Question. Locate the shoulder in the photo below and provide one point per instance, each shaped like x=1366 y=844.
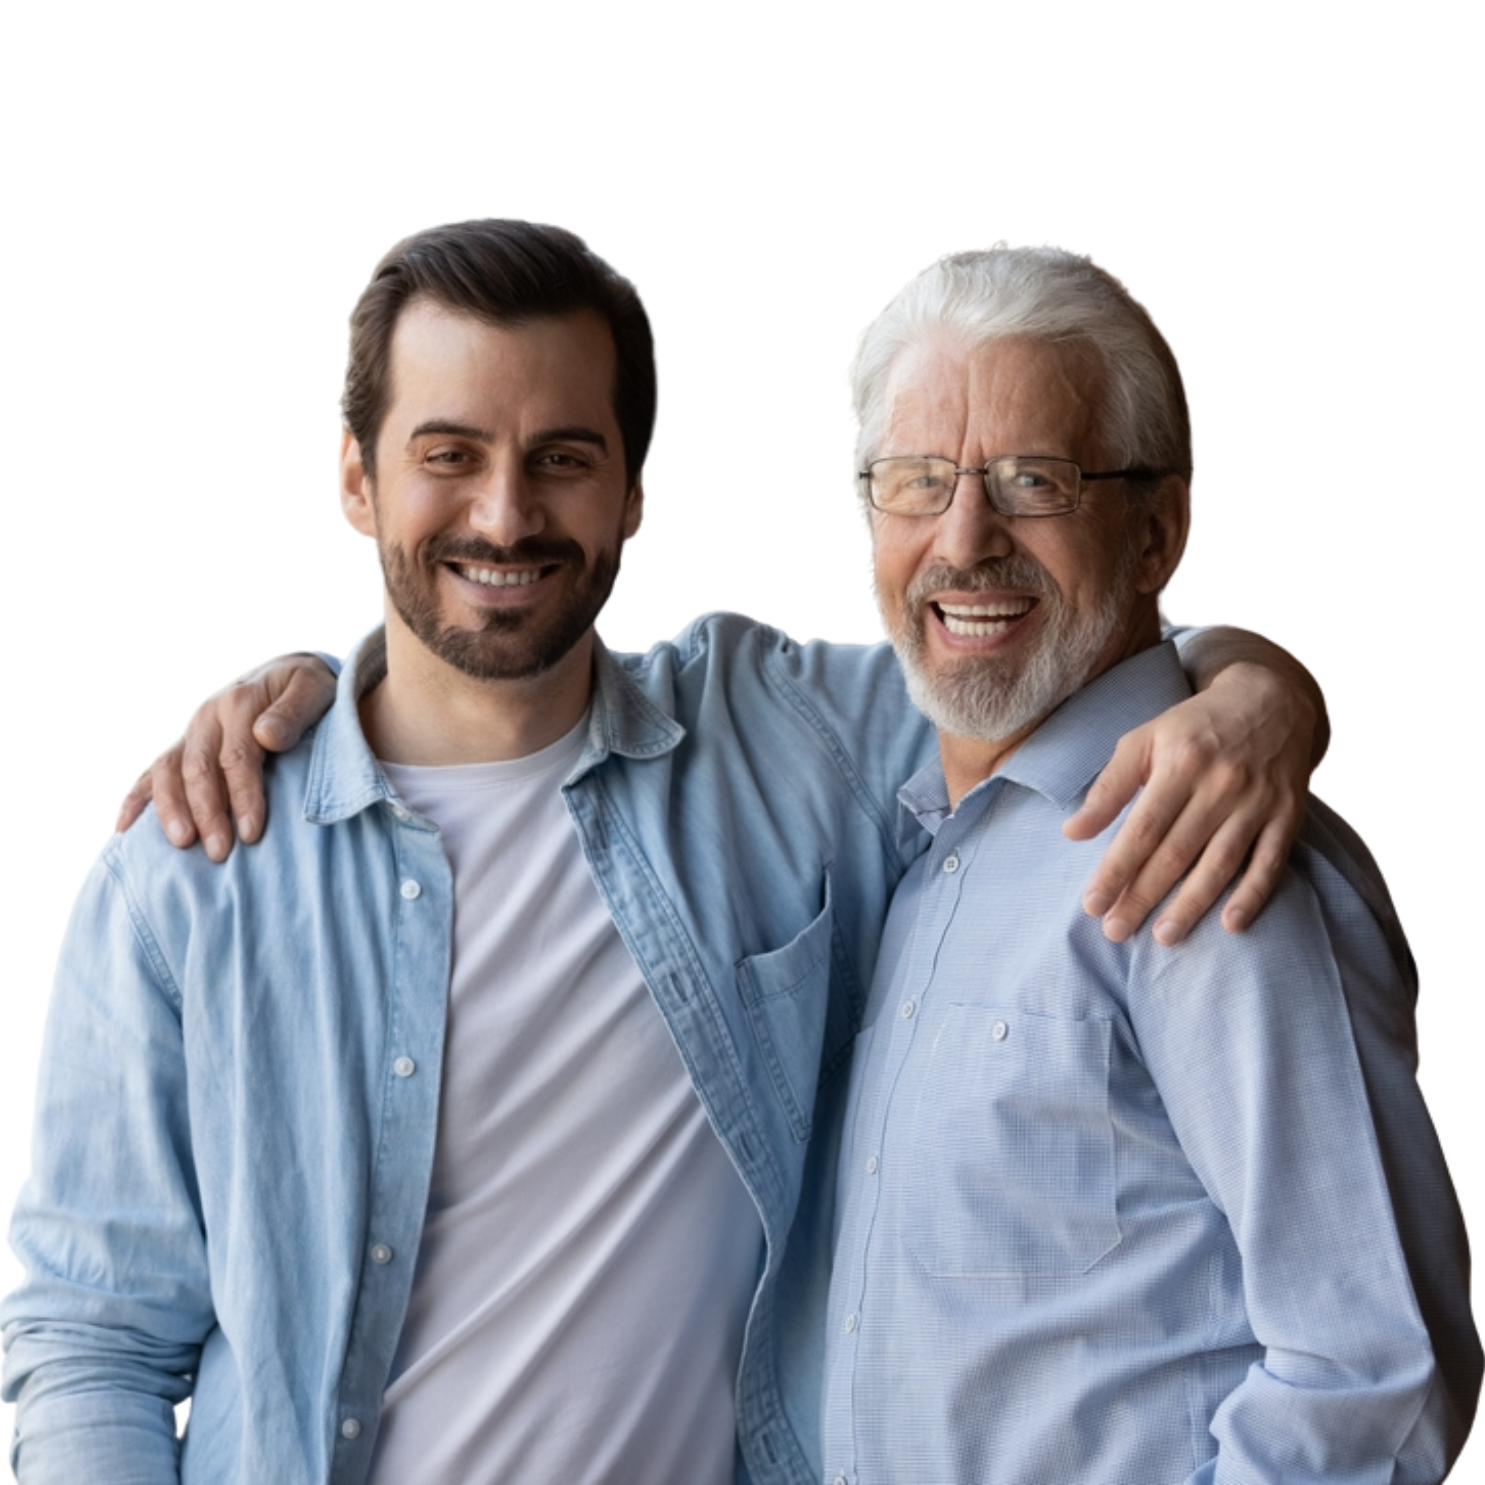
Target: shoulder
x=162 y=881
x=845 y=686
x=1330 y=921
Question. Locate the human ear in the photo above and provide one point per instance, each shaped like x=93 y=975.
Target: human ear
x=355 y=486
x=1162 y=528
x=634 y=507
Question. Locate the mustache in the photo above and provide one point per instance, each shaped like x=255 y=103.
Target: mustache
x=531 y=550
x=1016 y=571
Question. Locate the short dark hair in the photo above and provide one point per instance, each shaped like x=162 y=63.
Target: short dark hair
x=503 y=272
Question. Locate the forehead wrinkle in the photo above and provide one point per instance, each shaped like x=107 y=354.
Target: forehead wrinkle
x=1012 y=396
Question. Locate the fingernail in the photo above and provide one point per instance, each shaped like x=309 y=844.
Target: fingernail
x=1096 y=904
x=1236 y=920
x=247 y=828
x=216 y=847
x=178 y=833
x=1116 y=929
x=1167 y=933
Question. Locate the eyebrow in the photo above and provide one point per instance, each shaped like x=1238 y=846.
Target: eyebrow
x=574 y=433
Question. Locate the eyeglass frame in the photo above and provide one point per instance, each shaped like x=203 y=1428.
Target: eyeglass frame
x=1137 y=471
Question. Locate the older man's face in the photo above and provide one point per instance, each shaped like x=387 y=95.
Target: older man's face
x=997 y=620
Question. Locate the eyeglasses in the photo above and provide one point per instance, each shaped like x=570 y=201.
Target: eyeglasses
x=1018 y=485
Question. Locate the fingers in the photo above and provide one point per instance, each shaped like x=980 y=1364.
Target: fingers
x=309 y=691
x=1217 y=863
x=1149 y=854
x=199 y=775
x=210 y=784
x=1203 y=850
x=165 y=784
x=1119 y=782
x=1270 y=855
x=134 y=802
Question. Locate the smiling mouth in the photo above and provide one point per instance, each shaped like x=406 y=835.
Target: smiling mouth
x=983 y=620
x=494 y=577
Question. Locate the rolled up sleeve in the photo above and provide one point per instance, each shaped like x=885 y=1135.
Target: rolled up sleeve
x=103 y=1337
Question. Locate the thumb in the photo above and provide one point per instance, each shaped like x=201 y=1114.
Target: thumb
x=1108 y=795
x=305 y=697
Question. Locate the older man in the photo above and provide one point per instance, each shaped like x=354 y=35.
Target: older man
x=457 y=1131
x=1106 y=1213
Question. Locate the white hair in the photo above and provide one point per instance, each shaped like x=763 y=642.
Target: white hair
x=1042 y=294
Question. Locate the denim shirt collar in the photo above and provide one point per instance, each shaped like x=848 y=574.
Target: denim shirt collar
x=345 y=778
x=1062 y=757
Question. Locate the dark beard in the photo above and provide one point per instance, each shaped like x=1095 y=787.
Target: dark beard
x=509 y=645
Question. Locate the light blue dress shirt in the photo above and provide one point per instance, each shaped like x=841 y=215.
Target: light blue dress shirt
x=239 y=1090
x=1121 y=1213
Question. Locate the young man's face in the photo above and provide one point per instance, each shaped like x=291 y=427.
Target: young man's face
x=500 y=502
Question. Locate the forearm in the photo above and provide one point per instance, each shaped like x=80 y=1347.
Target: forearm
x=103 y=1338
x=71 y=1432
x=1277 y=680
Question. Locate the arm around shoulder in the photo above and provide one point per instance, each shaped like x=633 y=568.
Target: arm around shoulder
x=211 y=780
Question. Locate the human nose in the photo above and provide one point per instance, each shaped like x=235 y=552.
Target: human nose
x=971 y=529
x=507 y=507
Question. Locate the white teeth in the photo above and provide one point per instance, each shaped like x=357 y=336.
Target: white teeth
x=493 y=579
x=988 y=609
x=979 y=620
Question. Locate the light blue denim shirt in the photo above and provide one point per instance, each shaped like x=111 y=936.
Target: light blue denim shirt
x=239 y=1088
x=1121 y=1213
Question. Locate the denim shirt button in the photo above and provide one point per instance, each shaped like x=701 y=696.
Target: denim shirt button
x=381 y=1253
x=350 y=1429
x=404 y=1067
x=411 y=889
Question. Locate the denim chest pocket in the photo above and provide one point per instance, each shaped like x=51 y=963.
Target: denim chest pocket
x=787 y=996
x=1012 y=1156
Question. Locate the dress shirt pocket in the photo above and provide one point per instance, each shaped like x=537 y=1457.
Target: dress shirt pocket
x=1011 y=1170
x=786 y=994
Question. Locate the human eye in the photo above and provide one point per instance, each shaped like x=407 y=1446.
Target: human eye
x=563 y=463
x=1029 y=477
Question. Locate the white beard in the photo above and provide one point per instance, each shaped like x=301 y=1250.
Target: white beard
x=989 y=698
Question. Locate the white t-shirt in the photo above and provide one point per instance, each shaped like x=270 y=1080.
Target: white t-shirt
x=589 y=1251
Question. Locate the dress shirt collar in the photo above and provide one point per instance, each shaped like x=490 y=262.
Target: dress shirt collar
x=344 y=777
x=1061 y=758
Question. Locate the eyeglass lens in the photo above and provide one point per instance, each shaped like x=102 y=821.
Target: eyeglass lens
x=1016 y=486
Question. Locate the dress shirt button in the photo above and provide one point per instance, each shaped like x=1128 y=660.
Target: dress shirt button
x=404 y=1067
x=381 y=1253
x=909 y=1009
x=839 y=1480
x=1000 y=1031
x=871 y=1166
x=850 y=1324
x=402 y=812
x=350 y=1429
x=951 y=864
x=410 y=889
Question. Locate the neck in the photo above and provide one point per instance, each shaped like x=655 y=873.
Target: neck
x=427 y=712
x=968 y=761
